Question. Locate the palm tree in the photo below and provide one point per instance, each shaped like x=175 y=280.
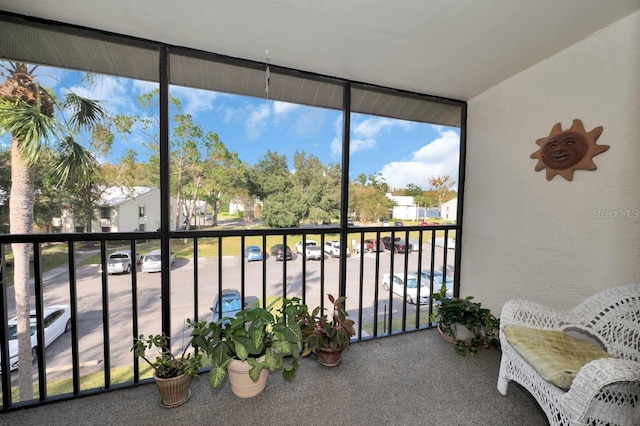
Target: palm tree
x=27 y=112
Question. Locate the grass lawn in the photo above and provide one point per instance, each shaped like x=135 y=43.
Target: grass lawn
x=396 y=323
x=90 y=381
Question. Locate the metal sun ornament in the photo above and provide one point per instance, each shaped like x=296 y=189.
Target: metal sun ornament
x=565 y=151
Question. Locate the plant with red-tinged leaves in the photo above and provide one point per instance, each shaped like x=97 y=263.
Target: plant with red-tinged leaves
x=321 y=332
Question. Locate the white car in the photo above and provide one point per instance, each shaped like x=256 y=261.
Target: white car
x=332 y=248
x=451 y=243
x=412 y=287
x=312 y=249
x=119 y=262
x=152 y=261
x=56 y=321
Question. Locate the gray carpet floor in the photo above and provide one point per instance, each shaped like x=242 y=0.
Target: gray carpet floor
x=410 y=379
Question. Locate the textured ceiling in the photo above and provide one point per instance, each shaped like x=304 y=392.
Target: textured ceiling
x=455 y=49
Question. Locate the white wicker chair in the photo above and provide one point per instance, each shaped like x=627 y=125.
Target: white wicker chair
x=605 y=391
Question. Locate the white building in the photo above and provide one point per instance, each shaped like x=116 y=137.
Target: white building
x=123 y=209
x=406 y=207
x=238 y=205
x=449 y=210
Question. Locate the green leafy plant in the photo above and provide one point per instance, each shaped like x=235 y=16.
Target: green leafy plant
x=166 y=365
x=452 y=311
x=251 y=334
x=320 y=332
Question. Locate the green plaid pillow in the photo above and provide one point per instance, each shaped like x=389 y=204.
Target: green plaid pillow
x=555 y=355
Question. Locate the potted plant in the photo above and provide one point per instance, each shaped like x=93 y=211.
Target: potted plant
x=465 y=323
x=250 y=345
x=172 y=374
x=325 y=337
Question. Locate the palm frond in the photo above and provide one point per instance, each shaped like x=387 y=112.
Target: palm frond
x=30 y=126
x=85 y=113
x=74 y=163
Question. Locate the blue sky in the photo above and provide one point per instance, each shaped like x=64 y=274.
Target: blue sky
x=403 y=152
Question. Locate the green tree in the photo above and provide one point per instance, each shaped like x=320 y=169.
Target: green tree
x=316 y=188
x=27 y=112
x=368 y=202
x=310 y=192
x=5 y=187
x=413 y=190
x=224 y=176
x=270 y=179
x=442 y=186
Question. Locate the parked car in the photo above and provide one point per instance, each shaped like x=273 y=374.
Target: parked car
x=307 y=243
x=278 y=251
x=152 y=261
x=332 y=248
x=412 y=287
x=253 y=253
x=385 y=223
x=56 y=321
x=437 y=281
x=349 y=222
x=119 y=262
x=424 y=223
x=231 y=304
x=398 y=223
x=372 y=245
x=312 y=249
x=398 y=245
x=451 y=243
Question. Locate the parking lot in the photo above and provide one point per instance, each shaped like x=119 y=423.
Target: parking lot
x=317 y=278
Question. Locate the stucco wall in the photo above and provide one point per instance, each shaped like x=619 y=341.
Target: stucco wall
x=555 y=242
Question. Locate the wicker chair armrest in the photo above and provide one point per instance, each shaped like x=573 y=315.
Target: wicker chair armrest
x=530 y=314
x=593 y=377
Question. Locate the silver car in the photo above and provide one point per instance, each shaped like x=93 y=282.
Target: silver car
x=412 y=287
x=152 y=261
x=119 y=262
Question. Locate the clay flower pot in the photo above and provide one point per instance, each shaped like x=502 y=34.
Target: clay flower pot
x=241 y=384
x=329 y=357
x=174 y=391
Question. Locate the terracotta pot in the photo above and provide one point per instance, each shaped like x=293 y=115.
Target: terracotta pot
x=173 y=391
x=241 y=384
x=329 y=357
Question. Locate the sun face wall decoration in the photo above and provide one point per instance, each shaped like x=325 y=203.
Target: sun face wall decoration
x=565 y=151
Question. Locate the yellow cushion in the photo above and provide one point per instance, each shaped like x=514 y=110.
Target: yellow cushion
x=555 y=355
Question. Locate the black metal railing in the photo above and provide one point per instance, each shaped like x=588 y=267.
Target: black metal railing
x=107 y=311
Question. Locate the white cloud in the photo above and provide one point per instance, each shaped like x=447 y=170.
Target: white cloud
x=371 y=127
x=336 y=146
x=365 y=133
x=282 y=108
x=194 y=101
x=50 y=77
x=112 y=92
x=356 y=145
x=437 y=158
x=257 y=120
x=143 y=86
